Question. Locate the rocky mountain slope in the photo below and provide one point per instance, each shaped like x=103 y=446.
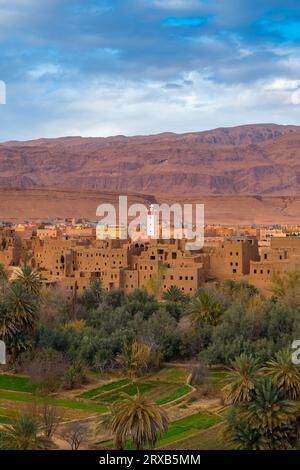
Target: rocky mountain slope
x=261 y=159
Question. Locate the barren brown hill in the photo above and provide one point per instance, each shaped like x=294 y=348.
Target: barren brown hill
x=261 y=159
x=44 y=204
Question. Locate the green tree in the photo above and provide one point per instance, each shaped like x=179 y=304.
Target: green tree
x=241 y=380
x=92 y=297
x=3 y=275
x=174 y=294
x=29 y=279
x=204 y=309
x=22 y=306
x=271 y=415
x=137 y=420
x=284 y=373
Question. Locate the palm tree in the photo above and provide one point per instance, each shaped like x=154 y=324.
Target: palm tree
x=21 y=306
x=174 y=294
x=3 y=275
x=271 y=415
x=138 y=420
x=8 y=325
x=29 y=279
x=241 y=380
x=22 y=434
x=238 y=432
x=204 y=309
x=284 y=374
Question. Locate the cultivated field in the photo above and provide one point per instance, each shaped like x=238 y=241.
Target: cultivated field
x=195 y=416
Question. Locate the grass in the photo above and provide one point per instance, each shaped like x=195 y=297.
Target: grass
x=180 y=392
x=72 y=404
x=208 y=439
x=95 y=392
x=179 y=430
x=5 y=420
x=187 y=426
x=131 y=389
x=170 y=374
x=161 y=387
x=215 y=377
x=16 y=383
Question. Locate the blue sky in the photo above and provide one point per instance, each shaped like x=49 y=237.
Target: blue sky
x=107 y=67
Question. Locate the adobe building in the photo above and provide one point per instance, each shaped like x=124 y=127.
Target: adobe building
x=73 y=262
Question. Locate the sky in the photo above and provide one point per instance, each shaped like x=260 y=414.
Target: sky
x=111 y=67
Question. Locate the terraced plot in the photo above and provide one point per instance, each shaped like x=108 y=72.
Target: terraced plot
x=162 y=387
x=16 y=383
x=179 y=430
x=188 y=426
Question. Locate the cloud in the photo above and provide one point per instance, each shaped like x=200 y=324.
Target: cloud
x=44 y=70
x=140 y=66
x=177 y=4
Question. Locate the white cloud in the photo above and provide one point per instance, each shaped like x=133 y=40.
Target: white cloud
x=42 y=70
x=177 y=4
x=103 y=108
x=283 y=84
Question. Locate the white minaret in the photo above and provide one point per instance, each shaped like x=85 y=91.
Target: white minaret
x=151 y=222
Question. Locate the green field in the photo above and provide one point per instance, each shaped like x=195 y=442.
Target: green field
x=188 y=426
x=64 y=402
x=178 y=393
x=215 y=377
x=211 y=438
x=95 y=392
x=162 y=387
x=180 y=429
x=16 y=383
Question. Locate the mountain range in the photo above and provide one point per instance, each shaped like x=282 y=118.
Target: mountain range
x=259 y=159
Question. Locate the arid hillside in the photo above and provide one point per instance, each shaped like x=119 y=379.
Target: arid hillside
x=44 y=204
x=262 y=159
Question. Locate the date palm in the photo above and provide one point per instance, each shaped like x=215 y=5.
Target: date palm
x=137 y=420
x=22 y=434
x=271 y=415
x=8 y=325
x=204 y=309
x=3 y=275
x=174 y=294
x=21 y=306
x=241 y=379
x=29 y=279
x=284 y=373
x=238 y=432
